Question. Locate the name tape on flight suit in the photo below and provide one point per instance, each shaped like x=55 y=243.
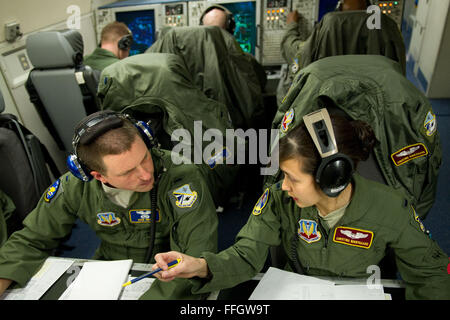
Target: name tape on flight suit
x=408 y=153
x=353 y=237
x=143 y=216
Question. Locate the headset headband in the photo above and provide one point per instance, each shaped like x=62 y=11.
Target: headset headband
x=96 y=125
x=336 y=169
x=229 y=21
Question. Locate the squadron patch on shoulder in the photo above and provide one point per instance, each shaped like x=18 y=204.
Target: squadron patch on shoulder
x=353 y=237
x=308 y=231
x=185 y=197
x=287 y=120
x=143 y=216
x=262 y=201
x=52 y=191
x=408 y=153
x=430 y=124
x=219 y=158
x=107 y=219
x=417 y=219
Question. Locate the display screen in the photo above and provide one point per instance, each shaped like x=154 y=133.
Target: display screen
x=142 y=25
x=245 y=18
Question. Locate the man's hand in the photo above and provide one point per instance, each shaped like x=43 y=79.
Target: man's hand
x=292 y=17
x=188 y=267
x=4 y=284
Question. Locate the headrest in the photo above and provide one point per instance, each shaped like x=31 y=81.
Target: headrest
x=55 y=49
x=2 y=103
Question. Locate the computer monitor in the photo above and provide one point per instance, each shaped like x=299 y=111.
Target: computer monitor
x=142 y=25
x=245 y=18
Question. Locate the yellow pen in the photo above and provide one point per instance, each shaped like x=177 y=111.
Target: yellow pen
x=170 y=265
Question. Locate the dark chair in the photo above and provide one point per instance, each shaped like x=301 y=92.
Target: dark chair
x=25 y=167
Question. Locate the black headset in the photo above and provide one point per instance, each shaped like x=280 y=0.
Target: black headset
x=230 y=24
x=335 y=170
x=94 y=126
x=125 y=42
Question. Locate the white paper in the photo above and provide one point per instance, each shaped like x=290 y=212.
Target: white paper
x=135 y=290
x=278 y=284
x=100 y=280
x=51 y=270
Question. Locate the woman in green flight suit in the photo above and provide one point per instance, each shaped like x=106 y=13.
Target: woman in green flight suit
x=329 y=224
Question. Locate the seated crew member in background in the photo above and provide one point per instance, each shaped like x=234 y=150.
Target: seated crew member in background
x=292 y=41
x=219 y=16
x=115 y=43
x=118 y=205
x=355 y=225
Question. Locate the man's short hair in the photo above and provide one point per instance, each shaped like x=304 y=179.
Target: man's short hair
x=114 y=141
x=114 y=31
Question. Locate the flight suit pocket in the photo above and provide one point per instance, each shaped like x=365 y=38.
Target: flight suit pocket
x=353 y=261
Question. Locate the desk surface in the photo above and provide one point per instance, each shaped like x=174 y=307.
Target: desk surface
x=240 y=292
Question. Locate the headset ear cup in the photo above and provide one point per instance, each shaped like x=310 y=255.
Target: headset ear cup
x=334 y=174
x=146 y=133
x=78 y=169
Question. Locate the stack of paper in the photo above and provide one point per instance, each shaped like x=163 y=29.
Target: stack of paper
x=101 y=280
x=277 y=284
x=49 y=273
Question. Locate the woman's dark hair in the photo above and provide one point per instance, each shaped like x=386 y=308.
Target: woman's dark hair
x=354 y=138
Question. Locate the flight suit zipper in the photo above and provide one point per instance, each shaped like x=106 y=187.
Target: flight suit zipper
x=323 y=232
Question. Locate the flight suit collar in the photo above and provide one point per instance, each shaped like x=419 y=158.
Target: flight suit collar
x=159 y=165
x=360 y=203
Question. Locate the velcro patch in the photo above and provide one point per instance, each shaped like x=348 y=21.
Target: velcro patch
x=143 y=216
x=353 y=237
x=219 y=157
x=417 y=219
x=185 y=197
x=307 y=231
x=430 y=124
x=287 y=120
x=107 y=219
x=262 y=201
x=409 y=153
x=52 y=191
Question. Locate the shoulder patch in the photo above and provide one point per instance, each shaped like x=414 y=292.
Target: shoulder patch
x=52 y=191
x=185 y=197
x=417 y=219
x=430 y=124
x=262 y=201
x=287 y=120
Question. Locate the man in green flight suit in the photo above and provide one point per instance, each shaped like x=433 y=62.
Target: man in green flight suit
x=115 y=43
x=132 y=187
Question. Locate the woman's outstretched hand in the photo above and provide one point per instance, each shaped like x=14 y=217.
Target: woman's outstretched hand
x=188 y=267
